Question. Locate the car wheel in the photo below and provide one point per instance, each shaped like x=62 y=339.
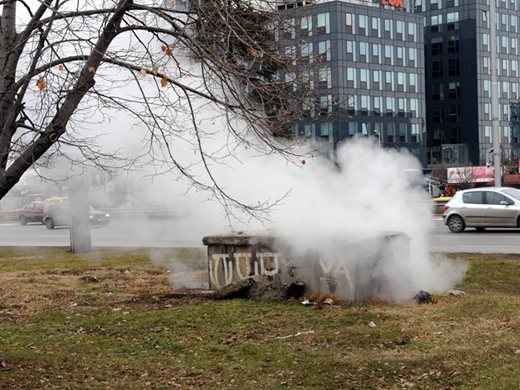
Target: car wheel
x=456 y=224
x=480 y=229
x=23 y=220
x=49 y=223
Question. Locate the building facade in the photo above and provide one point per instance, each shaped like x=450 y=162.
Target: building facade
x=363 y=63
x=458 y=79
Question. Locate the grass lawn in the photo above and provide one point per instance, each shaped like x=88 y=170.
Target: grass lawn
x=109 y=320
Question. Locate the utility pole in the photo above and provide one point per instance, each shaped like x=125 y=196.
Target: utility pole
x=497 y=152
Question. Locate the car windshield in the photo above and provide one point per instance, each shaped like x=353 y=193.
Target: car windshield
x=513 y=192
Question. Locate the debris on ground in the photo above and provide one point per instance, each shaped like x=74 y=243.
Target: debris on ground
x=456 y=293
x=293 y=335
x=295 y=290
x=423 y=297
x=371 y=324
x=306 y=302
x=328 y=301
x=89 y=279
x=4 y=366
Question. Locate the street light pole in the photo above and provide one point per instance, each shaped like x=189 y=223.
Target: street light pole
x=494 y=95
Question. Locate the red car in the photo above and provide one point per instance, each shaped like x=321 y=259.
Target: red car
x=31 y=212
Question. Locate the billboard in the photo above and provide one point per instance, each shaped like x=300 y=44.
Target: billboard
x=478 y=174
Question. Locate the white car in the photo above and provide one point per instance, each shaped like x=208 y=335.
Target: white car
x=483 y=207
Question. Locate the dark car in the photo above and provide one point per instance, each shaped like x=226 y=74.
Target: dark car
x=58 y=214
x=31 y=212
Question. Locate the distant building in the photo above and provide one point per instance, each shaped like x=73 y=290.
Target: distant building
x=458 y=79
x=363 y=63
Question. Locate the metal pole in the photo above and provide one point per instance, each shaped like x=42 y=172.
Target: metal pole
x=497 y=153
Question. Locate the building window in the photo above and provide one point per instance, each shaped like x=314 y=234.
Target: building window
x=485 y=42
x=363 y=25
x=325 y=104
x=399 y=30
x=352 y=129
x=363 y=52
x=324 y=51
x=401 y=107
x=307 y=53
x=436 y=46
x=376 y=53
x=454 y=90
x=349 y=22
x=412 y=32
x=412 y=82
x=376 y=80
x=364 y=79
x=306 y=25
x=402 y=132
x=365 y=105
x=488 y=134
x=455 y=137
x=388 y=31
x=412 y=57
x=389 y=55
x=378 y=102
x=453 y=44
x=452 y=3
x=401 y=77
x=435 y=23
x=326 y=130
x=390 y=106
x=325 y=78
x=400 y=56
x=434 y=5
x=437 y=92
x=454 y=113
x=351 y=78
x=487 y=111
x=389 y=81
x=351 y=51
x=437 y=69
x=415 y=133
x=486 y=65
x=323 y=23
x=414 y=109
x=390 y=133
x=376 y=27
x=418 y=6
x=453 y=67
x=437 y=114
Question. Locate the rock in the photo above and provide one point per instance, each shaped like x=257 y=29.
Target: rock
x=267 y=288
x=238 y=289
x=456 y=293
x=89 y=279
x=423 y=297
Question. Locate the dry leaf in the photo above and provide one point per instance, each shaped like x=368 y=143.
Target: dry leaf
x=252 y=52
x=41 y=84
x=163 y=48
x=91 y=69
x=168 y=51
x=164 y=81
x=143 y=72
x=61 y=68
x=155 y=70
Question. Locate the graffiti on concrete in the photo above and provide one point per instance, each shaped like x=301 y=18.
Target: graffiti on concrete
x=225 y=268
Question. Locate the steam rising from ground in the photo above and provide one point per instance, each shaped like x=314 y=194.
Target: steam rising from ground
x=340 y=212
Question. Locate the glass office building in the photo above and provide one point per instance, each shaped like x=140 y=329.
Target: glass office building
x=364 y=66
x=458 y=79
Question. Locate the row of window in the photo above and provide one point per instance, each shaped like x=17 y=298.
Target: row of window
x=504 y=44
x=504 y=22
x=453 y=114
x=388 y=132
x=365 y=105
x=421 y=5
x=374 y=26
x=504 y=114
x=361 y=25
x=377 y=53
x=506 y=89
x=382 y=80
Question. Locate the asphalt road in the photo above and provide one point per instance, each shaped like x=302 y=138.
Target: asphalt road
x=163 y=233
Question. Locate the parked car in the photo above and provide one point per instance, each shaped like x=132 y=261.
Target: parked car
x=31 y=212
x=482 y=208
x=58 y=214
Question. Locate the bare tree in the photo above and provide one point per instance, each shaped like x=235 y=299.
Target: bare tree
x=64 y=65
